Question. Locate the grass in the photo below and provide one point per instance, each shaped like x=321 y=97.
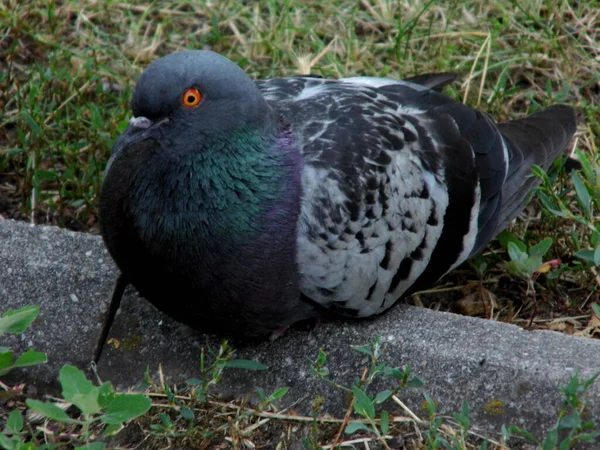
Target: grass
x=68 y=70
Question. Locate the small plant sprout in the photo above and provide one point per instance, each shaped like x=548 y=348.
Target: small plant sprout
x=527 y=263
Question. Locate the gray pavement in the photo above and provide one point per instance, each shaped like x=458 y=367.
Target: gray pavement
x=70 y=276
x=508 y=375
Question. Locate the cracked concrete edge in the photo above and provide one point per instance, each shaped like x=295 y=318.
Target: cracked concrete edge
x=70 y=276
x=508 y=375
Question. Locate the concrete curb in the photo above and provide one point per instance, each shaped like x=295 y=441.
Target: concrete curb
x=70 y=276
x=506 y=374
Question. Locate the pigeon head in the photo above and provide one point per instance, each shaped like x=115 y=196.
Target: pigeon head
x=192 y=99
x=201 y=88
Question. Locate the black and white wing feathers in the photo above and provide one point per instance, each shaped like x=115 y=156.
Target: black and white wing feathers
x=400 y=184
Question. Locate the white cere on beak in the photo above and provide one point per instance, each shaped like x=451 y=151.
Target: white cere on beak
x=140 y=122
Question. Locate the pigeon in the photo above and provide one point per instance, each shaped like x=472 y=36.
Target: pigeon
x=242 y=207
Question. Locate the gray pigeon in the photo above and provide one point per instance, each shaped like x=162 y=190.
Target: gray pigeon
x=241 y=207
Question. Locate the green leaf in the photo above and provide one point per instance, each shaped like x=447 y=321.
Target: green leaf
x=165 y=419
x=542 y=247
x=244 y=364
x=505 y=237
x=194 y=382
x=112 y=429
x=531 y=265
x=353 y=427
x=547 y=204
x=7 y=443
x=279 y=393
x=515 y=253
x=586 y=254
x=35 y=128
x=566 y=444
x=590 y=424
x=45 y=175
x=557 y=273
x=583 y=194
x=106 y=394
x=31 y=358
x=78 y=390
x=571 y=388
x=570 y=421
x=415 y=383
x=318 y=365
x=126 y=407
x=186 y=413
x=584 y=160
x=463 y=420
x=465 y=409
x=14 y=423
x=17 y=321
x=382 y=397
x=92 y=446
x=589 y=438
x=551 y=440
x=49 y=410
x=597 y=256
x=6 y=362
x=524 y=433
x=385 y=422
x=539 y=172
x=591 y=380
x=430 y=404
x=362 y=403
x=366 y=349
x=29 y=446
x=596 y=309
x=393 y=372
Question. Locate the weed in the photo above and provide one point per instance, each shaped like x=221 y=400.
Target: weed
x=573 y=426
x=97 y=405
x=16 y=322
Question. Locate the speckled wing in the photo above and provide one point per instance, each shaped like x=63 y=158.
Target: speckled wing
x=400 y=185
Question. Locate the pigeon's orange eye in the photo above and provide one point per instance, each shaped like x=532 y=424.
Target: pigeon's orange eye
x=191 y=97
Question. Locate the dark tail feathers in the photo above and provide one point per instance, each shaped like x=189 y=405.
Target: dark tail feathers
x=537 y=139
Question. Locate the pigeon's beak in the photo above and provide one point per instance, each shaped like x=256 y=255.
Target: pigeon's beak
x=133 y=132
x=140 y=122
x=136 y=131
